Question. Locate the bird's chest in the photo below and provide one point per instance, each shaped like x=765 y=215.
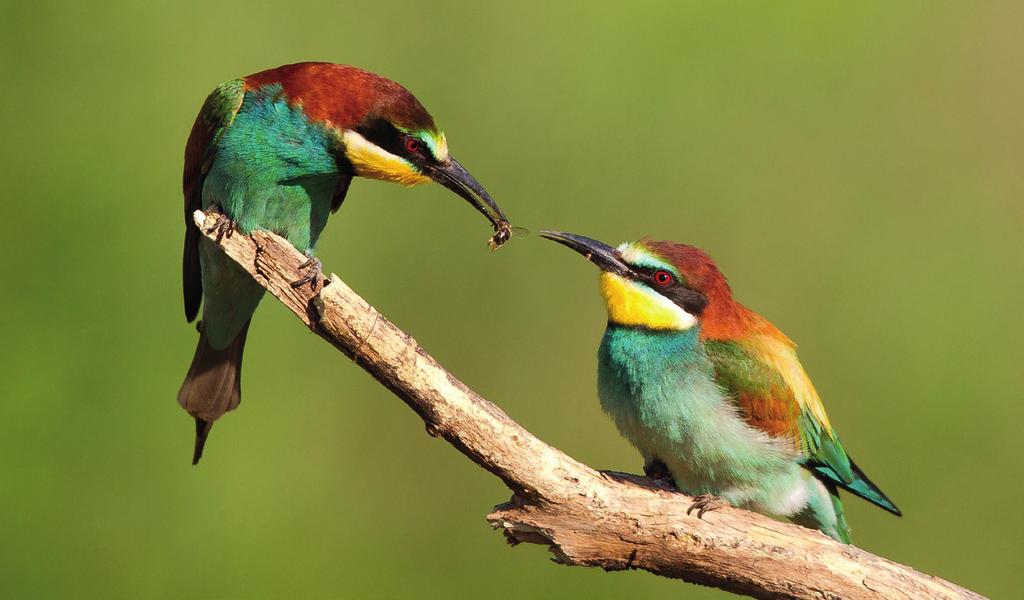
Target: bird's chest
x=274 y=170
x=661 y=392
x=658 y=387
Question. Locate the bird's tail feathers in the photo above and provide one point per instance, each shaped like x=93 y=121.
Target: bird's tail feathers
x=863 y=487
x=213 y=385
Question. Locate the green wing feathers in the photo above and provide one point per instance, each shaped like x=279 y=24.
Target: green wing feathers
x=217 y=113
x=764 y=377
x=760 y=392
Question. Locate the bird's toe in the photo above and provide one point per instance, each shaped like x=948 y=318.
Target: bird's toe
x=313 y=275
x=223 y=225
x=706 y=503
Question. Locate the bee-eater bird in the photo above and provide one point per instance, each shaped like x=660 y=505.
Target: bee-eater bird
x=276 y=151
x=712 y=392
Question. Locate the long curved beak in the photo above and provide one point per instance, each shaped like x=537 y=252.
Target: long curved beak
x=455 y=177
x=604 y=256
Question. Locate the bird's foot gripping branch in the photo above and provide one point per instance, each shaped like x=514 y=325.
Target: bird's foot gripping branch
x=586 y=517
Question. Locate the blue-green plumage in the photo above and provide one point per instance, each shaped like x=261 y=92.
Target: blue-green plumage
x=275 y=170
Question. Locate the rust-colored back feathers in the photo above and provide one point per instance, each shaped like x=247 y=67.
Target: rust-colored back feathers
x=344 y=96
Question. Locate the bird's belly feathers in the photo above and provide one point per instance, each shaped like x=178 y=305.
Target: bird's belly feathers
x=659 y=388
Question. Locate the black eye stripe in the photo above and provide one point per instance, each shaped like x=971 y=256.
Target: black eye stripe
x=684 y=297
x=689 y=300
x=382 y=133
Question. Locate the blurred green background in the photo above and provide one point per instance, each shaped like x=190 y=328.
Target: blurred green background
x=854 y=169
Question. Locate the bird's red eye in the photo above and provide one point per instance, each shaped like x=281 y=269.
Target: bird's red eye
x=663 y=278
x=413 y=145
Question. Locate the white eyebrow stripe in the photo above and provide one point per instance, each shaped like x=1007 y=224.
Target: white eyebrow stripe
x=634 y=254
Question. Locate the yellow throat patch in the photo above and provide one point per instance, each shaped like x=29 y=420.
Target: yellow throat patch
x=371 y=161
x=633 y=304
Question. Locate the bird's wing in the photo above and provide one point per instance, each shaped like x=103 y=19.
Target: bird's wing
x=216 y=116
x=763 y=375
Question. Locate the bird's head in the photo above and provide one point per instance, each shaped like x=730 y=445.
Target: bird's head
x=383 y=131
x=662 y=286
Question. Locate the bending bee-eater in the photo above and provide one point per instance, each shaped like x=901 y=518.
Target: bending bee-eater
x=276 y=151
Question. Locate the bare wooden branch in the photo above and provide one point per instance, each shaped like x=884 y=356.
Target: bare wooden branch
x=586 y=517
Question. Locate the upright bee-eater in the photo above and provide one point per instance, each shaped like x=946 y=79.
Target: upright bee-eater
x=713 y=393
x=276 y=151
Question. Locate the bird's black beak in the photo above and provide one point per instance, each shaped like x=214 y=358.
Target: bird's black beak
x=604 y=256
x=455 y=177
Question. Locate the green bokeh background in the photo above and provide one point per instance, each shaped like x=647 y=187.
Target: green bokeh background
x=854 y=169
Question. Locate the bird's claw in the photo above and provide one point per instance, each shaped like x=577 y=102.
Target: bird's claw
x=313 y=276
x=223 y=225
x=705 y=503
